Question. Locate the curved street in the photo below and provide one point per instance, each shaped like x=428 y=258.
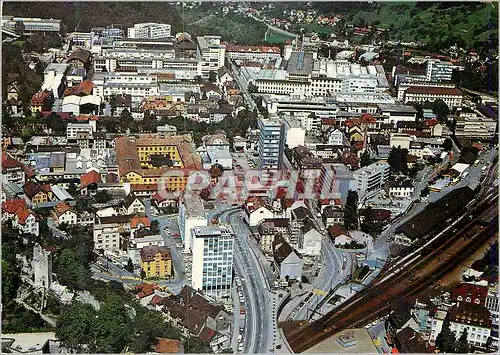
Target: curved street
x=259 y=315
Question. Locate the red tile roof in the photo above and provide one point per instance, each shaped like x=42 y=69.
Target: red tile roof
x=168 y=346
x=11 y=206
x=91 y=177
x=433 y=90
x=85 y=87
x=145 y=289
x=9 y=162
x=430 y=122
x=136 y=220
x=62 y=208
x=337 y=230
x=156 y=300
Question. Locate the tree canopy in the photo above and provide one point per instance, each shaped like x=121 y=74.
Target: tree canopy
x=351 y=211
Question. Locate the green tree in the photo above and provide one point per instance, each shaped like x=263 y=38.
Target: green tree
x=26 y=134
x=252 y=89
x=351 y=211
x=398 y=160
x=365 y=158
x=111 y=333
x=102 y=197
x=462 y=346
x=75 y=326
x=441 y=109
x=112 y=103
x=155 y=226
x=212 y=76
x=445 y=341
x=11 y=273
x=149 y=325
x=447 y=145
x=130 y=265
x=71 y=272
x=195 y=346
x=19 y=28
x=143 y=275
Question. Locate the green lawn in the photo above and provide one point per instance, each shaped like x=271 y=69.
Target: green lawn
x=277 y=38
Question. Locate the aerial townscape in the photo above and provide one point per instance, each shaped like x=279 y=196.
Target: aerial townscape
x=249 y=177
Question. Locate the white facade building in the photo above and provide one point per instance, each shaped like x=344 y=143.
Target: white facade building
x=211 y=52
x=191 y=214
x=149 y=30
x=73 y=129
x=138 y=85
x=451 y=96
x=54 y=78
x=371 y=178
x=212 y=268
x=295 y=134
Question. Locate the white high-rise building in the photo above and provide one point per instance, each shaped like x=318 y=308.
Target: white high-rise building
x=191 y=214
x=149 y=30
x=212 y=268
x=211 y=52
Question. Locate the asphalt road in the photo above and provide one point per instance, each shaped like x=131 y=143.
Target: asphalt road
x=259 y=314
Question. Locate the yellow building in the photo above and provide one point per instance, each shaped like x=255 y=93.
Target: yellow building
x=156 y=262
x=144 y=160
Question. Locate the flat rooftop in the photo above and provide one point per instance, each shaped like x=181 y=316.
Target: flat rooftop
x=28 y=342
x=211 y=231
x=362 y=344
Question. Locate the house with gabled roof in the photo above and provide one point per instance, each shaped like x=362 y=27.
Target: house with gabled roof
x=133 y=204
x=64 y=213
x=38 y=193
x=22 y=217
x=89 y=182
x=196 y=315
x=286 y=260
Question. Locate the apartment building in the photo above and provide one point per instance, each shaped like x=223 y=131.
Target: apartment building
x=451 y=96
x=294 y=133
x=437 y=70
x=475 y=126
x=473 y=317
x=336 y=182
x=73 y=129
x=271 y=143
x=108 y=233
x=191 y=214
x=211 y=52
x=492 y=304
x=149 y=30
x=398 y=113
x=371 y=178
x=212 y=268
x=156 y=261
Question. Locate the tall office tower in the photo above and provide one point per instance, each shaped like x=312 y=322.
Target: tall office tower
x=212 y=268
x=271 y=143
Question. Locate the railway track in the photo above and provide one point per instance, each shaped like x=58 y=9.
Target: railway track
x=373 y=302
